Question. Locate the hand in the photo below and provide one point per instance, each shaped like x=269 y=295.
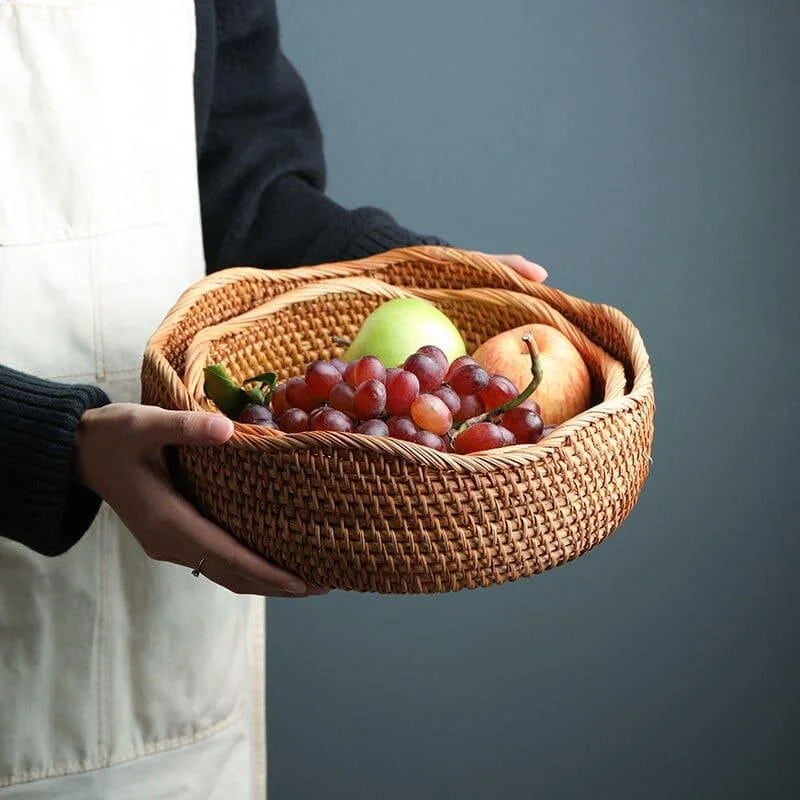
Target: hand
x=119 y=455
x=526 y=268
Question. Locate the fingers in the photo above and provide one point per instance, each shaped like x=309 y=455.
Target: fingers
x=161 y=427
x=528 y=269
x=240 y=585
x=188 y=533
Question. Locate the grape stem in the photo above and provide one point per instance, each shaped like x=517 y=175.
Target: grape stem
x=536 y=379
x=342 y=341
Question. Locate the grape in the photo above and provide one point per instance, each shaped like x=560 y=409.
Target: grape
x=433 y=352
x=401 y=428
x=349 y=374
x=370 y=399
x=390 y=373
x=461 y=361
x=279 y=400
x=401 y=389
x=547 y=430
x=469 y=379
x=342 y=398
x=294 y=420
x=531 y=404
x=449 y=398
x=364 y=369
x=499 y=390
x=431 y=414
x=256 y=414
x=321 y=377
x=471 y=406
x=298 y=395
x=508 y=436
x=430 y=440
x=428 y=372
x=481 y=436
x=374 y=427
x=329 y=419
x=314 y=414
x=339 y=364
x=526 y=425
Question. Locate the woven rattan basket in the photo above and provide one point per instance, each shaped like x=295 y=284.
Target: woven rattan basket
x=374 y=514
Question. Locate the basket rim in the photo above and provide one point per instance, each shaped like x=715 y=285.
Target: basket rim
x=253 y=437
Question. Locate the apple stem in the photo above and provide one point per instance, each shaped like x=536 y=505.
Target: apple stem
x=342 y=341
x=536 y=379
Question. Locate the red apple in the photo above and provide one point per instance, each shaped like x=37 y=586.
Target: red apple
x=566 y=388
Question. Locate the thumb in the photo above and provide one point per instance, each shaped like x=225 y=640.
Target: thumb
x=187 y=427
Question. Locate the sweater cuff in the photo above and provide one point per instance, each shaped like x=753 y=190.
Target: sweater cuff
x=383 y=234
x=44 y=509
x=360 y=233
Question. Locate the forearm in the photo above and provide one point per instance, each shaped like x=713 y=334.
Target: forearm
x=296 y=224
x=42 y=507
x=261 y=164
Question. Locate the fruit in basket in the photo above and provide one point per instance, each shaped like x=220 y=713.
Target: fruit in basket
x=369 y=400
x=429 y=371
x=342 y=398
x=471 y=406
x=565 y=389
x=524 y=423
x=428 y=439
x=321 y=377
x=402 y=388
x=293 y=420
x=374 y=427
x=398 y=328
x=329 y=419
x=429 y=401
x=402 y=428
x=256 y=414
x=482 y=436
x=469 y=379
x=449 y=398
x=364 y=369
x=499 y=390
x=431 y=414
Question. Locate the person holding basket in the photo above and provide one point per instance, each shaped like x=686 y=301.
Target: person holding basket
x=142 y=145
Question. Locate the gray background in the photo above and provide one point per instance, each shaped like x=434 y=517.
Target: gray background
x=647 y=153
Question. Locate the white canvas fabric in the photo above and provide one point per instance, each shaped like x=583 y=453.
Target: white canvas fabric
x=120 y=677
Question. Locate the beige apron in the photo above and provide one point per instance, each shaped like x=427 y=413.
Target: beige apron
x=119 y=677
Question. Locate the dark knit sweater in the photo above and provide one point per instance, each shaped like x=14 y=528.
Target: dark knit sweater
x=262 y=176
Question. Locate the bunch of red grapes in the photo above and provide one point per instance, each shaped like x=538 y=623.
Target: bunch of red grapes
x=424 y=401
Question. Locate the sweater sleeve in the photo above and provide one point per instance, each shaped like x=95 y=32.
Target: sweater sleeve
x=261 y=163
x=42 y=507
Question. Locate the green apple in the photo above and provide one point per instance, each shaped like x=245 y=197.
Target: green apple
x=398 y=328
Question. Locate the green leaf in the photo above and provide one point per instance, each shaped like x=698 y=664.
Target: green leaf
x=254 y=395
x=229 y=397
x=266 y=386
x=264 y=377
x=218 y=386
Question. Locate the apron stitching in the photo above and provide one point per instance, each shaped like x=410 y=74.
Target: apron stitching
x=89 y=765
